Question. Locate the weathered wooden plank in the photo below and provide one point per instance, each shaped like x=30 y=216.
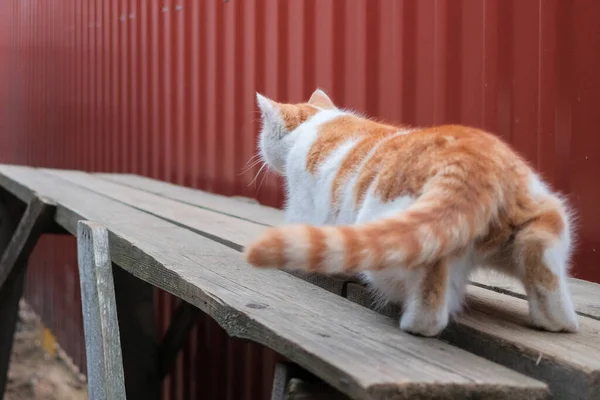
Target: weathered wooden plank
x=239 y=207
x=333 y=284
x=11 y=210
x=215 y=226
x=496 y=326
x=37 y=216
x=559 y=358
x=15 y=188
x=357 y=351
x=105 y=376
x=183 y=320
x=219 y=226
x=585 y=294
x=513 y=345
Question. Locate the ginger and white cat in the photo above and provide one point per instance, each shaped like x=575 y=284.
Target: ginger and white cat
x=413 y=211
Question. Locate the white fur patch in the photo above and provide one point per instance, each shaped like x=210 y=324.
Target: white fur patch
x=335 y=260
x=305 y=191
x=296 y=247
x=537 y=187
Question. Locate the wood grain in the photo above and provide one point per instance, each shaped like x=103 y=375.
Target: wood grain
x=239 y=207
x=215 y=226
x=357 y=351
x=281 y=377
x=585 y=294
x=105 y=376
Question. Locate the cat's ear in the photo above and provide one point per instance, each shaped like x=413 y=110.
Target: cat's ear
x=320 y=99
x=270 y=112
x=266 y=105
x=269 y=109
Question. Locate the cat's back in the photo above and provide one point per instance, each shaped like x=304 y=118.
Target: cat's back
x=342 y=160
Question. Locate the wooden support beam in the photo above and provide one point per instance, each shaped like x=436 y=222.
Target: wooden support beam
x=184 y=319
x=281 y=378
x=139 y=339
x=19 y=232
x=102 y=342
x=38 y=215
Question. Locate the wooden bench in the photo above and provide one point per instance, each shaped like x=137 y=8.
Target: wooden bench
x=138 y=233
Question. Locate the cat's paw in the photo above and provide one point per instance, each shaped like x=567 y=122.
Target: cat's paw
x=552 y=311
x=428 y=323
x=553 y=326
x=559 y=321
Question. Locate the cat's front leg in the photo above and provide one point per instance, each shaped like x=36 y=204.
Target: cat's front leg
x=426 y=304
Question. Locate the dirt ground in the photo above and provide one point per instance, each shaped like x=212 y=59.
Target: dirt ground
x=33 y=374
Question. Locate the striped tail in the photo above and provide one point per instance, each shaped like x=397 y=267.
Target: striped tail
x=435 y=226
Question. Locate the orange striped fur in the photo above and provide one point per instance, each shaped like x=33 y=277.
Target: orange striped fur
x=423 y=205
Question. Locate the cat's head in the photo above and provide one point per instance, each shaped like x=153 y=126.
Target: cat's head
x=281 y=119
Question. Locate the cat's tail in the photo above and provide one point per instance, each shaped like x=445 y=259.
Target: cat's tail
x=436 y=225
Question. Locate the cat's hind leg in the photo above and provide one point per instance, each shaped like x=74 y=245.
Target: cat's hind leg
x=541 y=251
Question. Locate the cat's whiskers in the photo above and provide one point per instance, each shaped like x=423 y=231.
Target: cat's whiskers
x=263 y=179
x=253 y=161
x=257 y=174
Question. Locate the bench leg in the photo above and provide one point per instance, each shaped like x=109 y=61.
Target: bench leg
x=281 y=379
x=102 y=343
x=38 y=215
x=121 y=343
x=17 y=240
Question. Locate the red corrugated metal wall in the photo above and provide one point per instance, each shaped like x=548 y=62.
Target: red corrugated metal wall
x=166 y=89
